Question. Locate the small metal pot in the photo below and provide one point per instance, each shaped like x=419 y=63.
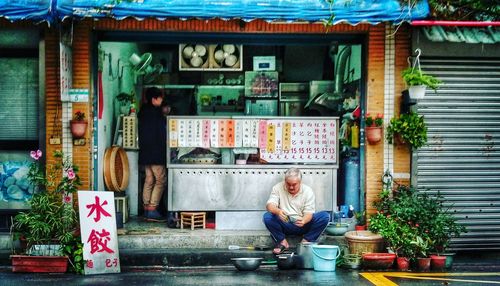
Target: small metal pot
x=286 y=261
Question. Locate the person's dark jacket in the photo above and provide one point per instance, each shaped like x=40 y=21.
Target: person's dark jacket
x=152 y=136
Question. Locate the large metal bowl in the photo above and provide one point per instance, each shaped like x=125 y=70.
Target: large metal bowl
x=247 y=263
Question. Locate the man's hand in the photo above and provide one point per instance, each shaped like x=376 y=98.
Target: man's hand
x=283 y=216
x=300 y=222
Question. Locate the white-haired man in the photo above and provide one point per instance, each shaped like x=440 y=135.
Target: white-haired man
x=291 y=210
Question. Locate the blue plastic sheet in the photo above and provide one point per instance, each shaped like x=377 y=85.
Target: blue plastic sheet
x=36 y=10
x=350 y=11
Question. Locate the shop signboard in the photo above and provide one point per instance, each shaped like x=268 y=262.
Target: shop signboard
x=98 y=232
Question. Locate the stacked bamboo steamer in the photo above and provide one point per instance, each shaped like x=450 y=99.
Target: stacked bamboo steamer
x=116 y=169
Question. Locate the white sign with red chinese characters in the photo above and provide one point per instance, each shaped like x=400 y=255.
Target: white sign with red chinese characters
x=65 y=70
x=98 y=231
x=304 y=141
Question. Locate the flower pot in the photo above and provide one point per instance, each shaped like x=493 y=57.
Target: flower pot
x=449 y=259
x=438 y=262
x=378 y=260
x=417 y=91
x=363 y=241
x=78 y=128
x=27 y=263
x=423 y=264
x=403 y=263
x=360 y=227
x=373 y=134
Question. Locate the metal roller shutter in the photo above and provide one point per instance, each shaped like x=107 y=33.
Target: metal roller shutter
x=462 y=158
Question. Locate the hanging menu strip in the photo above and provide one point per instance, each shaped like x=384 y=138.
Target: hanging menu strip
x=182 y=133
x=205 y=141
x=172 y=133
x=214 y=133
x=271 y=132
x=262 y=135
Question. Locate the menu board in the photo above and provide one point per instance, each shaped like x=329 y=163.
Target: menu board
x=279 y=140
x=301 y=141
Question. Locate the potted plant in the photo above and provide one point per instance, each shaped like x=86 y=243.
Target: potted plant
x=421 y=247
x=360 y=220
x=374 y=127
x=407 y=215
x=409 y=128
x=78 y=124
x=418 y=81
x=125 y=100
x=49 y=227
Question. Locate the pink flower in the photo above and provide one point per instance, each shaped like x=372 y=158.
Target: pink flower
x=36 y=154
x=416 y=224
x=67 y=199
x=379 y=115
x=70 y=173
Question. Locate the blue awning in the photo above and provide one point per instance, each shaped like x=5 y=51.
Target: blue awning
x=349 y=11
x=35 y=10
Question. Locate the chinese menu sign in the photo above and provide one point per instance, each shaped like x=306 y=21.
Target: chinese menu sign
x=98 y=231
x=279 y=140
x=307 y=141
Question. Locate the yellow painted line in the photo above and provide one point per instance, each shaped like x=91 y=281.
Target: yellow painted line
x=439 y=274
x=446 y=279
x=378 y=279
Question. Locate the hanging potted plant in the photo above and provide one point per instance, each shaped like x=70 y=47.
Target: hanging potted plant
x=49 y=228
x=125 y=100
x=408 y=128
x=374 y=128
x=417 y=82
x=78 y=125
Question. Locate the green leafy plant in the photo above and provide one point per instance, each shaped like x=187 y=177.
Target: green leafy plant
x=413 y=76
x=360 y=218
x=74 y=250
x=371 y=121
x=410 y=127
x=79 y=116
x=51 y=218
x=48 y=221
x=413 y=222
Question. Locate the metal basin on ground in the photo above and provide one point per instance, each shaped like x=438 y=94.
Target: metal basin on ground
x=247 y=263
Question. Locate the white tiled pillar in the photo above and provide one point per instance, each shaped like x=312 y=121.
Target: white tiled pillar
x=389 y=86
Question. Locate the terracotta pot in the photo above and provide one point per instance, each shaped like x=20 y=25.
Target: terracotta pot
x=360 y=227
x=373 y=134
x=378 y=260
x=423 y=264
x=438 y=262
x=403 y=263
x=27 y=263
x=78 y=128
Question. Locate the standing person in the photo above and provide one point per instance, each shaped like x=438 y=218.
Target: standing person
x=152 y=152
x=291 y=210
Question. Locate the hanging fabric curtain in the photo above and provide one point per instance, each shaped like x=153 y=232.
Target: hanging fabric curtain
x=349 y=11
x=34 y=10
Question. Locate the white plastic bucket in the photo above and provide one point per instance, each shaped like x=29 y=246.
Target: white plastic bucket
x=325 y=257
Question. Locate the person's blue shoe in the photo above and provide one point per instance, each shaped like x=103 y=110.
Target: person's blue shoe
x=155 y=216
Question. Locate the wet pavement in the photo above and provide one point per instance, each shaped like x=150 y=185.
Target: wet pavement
x=267 y=275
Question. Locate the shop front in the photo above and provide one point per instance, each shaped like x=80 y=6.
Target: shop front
x=272 y=67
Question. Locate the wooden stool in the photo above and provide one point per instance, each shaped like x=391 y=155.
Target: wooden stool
x=193 y=219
